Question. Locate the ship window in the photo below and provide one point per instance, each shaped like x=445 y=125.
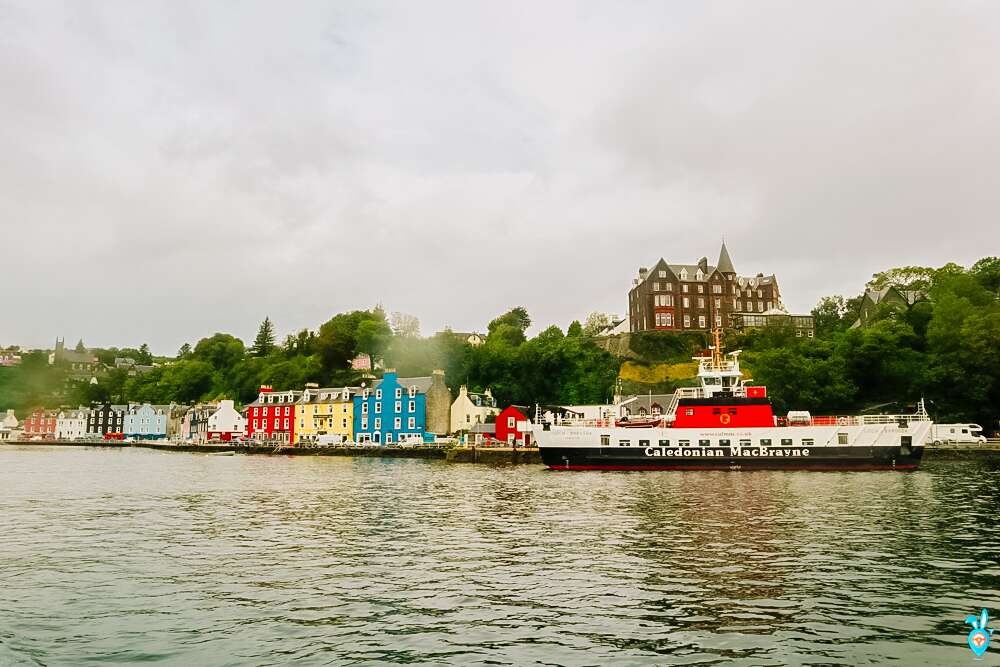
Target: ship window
x=842 y=438
x=716 y=411
x=745 y=442
x=807 y=442
x=704 y=443
x=605 y=440
x=732 y=411
x=644 y=443
x=689 y=412
x=786 y=442
x=723 y=443
x=684 y=443
x=623 y=443
x=664 y=443
x=765 y=442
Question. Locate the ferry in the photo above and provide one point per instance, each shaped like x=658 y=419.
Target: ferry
x=725 y=423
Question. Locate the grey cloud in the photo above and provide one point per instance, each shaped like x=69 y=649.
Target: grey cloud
x=454 y=159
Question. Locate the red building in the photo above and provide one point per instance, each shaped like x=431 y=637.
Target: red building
x=512 y=426
x=272 y=416
x=40 y=423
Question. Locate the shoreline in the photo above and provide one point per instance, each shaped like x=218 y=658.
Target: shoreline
x=488 y=455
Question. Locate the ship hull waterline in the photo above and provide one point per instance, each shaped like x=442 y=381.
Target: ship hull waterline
x=657 y=458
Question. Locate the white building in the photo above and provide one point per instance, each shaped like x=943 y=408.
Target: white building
x=9 y=421
x=72 y=424
x=226 y=423
x=470 y=409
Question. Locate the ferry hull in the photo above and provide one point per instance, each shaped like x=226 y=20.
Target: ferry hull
x=881 y=457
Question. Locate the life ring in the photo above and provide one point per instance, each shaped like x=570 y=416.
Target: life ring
x=842 y=421
x=724 y=418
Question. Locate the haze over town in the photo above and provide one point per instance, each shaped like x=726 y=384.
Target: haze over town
x=177 y=169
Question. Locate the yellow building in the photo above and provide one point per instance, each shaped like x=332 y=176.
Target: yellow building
x=325 y=415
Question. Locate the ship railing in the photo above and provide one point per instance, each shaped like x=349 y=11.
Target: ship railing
x=856 y=420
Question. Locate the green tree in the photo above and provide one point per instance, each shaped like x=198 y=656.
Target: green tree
x=184 y=352
x=263 y=344
x=79 y=346
x=144 y=357
x=221 y=351
x=575 y=329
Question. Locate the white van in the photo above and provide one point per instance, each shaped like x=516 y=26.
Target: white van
x=958 y=434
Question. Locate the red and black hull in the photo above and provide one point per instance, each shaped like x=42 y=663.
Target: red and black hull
x=718 y=458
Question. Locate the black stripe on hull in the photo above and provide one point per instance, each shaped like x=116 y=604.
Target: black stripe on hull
x=819 y=458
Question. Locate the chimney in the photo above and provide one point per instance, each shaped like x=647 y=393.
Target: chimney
x=463 y=390
x=703 y=264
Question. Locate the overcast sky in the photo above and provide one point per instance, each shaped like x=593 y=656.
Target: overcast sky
x=174 y=169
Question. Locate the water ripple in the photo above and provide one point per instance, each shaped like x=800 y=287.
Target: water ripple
x=113 y=557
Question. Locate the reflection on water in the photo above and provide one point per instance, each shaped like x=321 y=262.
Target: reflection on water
x=135 y=555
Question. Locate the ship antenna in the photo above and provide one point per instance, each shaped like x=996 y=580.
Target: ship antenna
x=717 y=349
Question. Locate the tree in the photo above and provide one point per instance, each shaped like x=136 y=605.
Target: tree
x=828 y=315
x=221 y=351
x=404 y=325
x=263 y=344
x=79 y=346
x=575 y=329
x=184 y=352
x=904 y=277
x=510 y=326
x=372 y=337
x=144 y=357
x=596 y=323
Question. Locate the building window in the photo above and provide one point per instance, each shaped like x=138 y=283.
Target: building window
x=378 y=394
x=760 y=306
x=411 y=406
x=718 y=320
x=716 y=289
x=668 y=319
x=687 y=321
x=656 y=287
x=378 y=423
x=684 y=288
x=399 y=392
x=397 y=423
x=701 y=321
x=364 y=424
x=701 y=288
x=687 y=302
x=662 y=274
x=739 y=305
x=378 y=407
x=413 y=390
x=411 y=423
x=364 y=408
x=399 y=407
x=701 y=302
x=718 y=304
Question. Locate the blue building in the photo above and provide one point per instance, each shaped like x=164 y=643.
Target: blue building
x=394 y=410
x=146 y=422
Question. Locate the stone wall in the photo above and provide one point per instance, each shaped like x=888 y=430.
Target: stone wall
x=438 y=405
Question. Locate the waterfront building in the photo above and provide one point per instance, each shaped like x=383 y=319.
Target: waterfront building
x=146 y=422
x=470 y=408
x=194 y=424
x=513 y=426
x=891 y=299
x=106 y=419
x=226 y=423
x=72 y=424
x=41 y=424
x=10 y=426
x=272 y=416
x=697 y=297
x=175 y=420
x=393 y=411
x=438 y=405
x=327 y=412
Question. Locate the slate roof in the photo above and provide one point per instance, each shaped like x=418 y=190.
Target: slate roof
x=482 y=400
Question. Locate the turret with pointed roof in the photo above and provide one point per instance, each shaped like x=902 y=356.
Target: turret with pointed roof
x=725 y=263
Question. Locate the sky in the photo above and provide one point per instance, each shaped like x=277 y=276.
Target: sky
x=175 y=169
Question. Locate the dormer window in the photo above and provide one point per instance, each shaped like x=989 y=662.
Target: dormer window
x=699 y=275
x=684 y=274
x=413 y=390
x=365 y=393
x=399 y=392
